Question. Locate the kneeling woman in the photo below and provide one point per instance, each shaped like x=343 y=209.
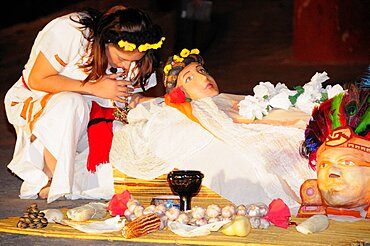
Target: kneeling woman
x=244 y=163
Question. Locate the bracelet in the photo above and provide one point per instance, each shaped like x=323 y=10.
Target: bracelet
x=120 y=114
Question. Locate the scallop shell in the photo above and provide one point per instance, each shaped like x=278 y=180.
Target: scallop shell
x=313 y=224
x=53 y=215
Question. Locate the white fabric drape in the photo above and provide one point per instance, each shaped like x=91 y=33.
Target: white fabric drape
x=245 y=163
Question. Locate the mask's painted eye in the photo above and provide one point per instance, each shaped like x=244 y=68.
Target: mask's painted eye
x=323 y=165
x=189 y=78
x=348 y=163
x=202 y=70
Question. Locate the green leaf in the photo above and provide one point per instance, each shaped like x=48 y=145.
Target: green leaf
x=293 y=99
x=324 y=96
x=299 y=89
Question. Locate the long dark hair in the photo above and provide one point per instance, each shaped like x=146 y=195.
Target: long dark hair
x=119 y=22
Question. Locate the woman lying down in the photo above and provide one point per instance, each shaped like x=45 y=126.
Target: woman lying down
x=244 y=163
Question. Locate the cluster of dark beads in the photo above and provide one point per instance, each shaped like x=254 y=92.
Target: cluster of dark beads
x=32 y=218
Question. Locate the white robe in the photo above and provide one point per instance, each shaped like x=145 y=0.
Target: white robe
x=59 y=121
x=244 y=163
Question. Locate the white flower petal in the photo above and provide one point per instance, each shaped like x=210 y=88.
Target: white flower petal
x=334 y=90
x=280 y=100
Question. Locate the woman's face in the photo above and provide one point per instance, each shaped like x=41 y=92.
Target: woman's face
x=343 y=178
x=196 y=82
x=120 y=58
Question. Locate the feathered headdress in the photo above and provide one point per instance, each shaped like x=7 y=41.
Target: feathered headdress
x=348 y=109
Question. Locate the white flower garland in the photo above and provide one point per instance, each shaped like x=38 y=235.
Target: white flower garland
x=267 y=96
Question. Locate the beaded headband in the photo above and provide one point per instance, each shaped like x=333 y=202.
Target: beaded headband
x=175 y=64
x=344 y=137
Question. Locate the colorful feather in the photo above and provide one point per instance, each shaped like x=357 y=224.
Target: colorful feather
x=350 y=108
x=337 y=115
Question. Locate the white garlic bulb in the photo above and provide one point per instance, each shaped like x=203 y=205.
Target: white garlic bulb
x=241 y=210
x=149 y=210
x=213 y=211
x=173 y=213
x=215 y=219
x=131 y=205
x=160 y=209
x=138 y=211
x=228 y=211
x=255 y=222
x=264 y=224
x=198 y=212
x=183 y=218
x=201 y=222
x=263 y=208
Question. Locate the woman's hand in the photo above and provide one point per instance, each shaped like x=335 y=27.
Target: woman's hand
x=44 y=77
x=137 y=98
x=110 y=88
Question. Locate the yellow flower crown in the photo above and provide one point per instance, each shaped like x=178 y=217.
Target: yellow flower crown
x=127 y=46
x=177 y=59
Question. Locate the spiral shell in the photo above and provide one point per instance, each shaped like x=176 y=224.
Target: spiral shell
x=142 y=225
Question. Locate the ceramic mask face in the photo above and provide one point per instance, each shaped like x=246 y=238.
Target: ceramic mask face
x=343 y=172
x=196 y=82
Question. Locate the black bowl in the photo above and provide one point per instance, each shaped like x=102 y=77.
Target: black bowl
x=185 y=183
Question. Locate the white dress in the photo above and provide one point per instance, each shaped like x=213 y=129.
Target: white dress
x=59 y=121
x=245 y=163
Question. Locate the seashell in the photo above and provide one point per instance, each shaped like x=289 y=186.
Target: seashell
x=228 y=211
x=313 y=224
x=173 y=213
x=141 y=226
x=213 y=211
x=198 y=212
x=92 y=210
x=53 y=215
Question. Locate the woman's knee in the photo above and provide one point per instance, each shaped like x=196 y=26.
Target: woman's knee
x=72 y=102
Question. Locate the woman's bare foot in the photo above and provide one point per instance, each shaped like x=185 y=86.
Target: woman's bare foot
x=44 y=192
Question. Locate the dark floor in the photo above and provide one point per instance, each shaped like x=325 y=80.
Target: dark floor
x=245 y=43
